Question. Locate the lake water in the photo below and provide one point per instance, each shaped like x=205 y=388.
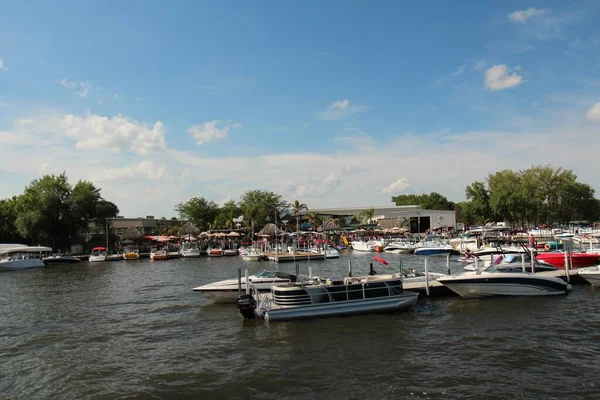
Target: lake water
x=135 y=330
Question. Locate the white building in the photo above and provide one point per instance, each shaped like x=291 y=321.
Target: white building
x=419 y=220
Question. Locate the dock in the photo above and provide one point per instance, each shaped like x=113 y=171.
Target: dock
x=436 y=289
x=299 y=256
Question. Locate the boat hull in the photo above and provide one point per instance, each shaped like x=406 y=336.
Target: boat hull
x=580 y=260
x=97 y=259
x=592 y=275
x=131 y=256
x=190 y=253
x=404 y=301
x=474 y=286
x=19 y=265
x=424 y=251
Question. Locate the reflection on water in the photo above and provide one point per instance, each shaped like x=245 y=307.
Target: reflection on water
x=136 y=330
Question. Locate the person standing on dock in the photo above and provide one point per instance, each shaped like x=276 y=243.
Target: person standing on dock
x=531 y=241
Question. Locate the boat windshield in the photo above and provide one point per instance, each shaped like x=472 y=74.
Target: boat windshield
x=265 y=274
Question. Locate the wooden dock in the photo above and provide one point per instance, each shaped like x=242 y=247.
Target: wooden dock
x=299 y=256
x=436 y=289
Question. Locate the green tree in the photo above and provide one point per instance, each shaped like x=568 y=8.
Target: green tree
x=8 y=218
x=297 y=210
x=198 y=210
x=51 y=210
x=226 y=214
x=367 y=215
x=261 y=206
x=431 y=201
x=478 y=207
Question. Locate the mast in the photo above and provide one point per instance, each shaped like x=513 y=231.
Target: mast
x=107 y=235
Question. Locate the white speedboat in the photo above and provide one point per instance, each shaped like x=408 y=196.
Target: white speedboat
x=328 y=298
x=227 y=291
x=591 y=274
x=98 y=254
x=360 y=245
x=492 y=282
x=189 y=249
x=23 y=257
x=328 y=252
x=400 y=247
x=159 y=254
x=433 y=245
x=252 y=254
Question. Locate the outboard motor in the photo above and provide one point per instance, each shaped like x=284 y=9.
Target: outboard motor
x=246 y=304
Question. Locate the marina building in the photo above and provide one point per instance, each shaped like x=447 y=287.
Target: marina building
x=415 y=218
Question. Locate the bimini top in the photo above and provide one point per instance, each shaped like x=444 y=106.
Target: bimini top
x=98 y=248
x=26 y=249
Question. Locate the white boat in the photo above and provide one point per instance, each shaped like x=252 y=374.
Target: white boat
x=327 y=298
x=98 y=254
x=252 y=254
x=329 y=252
x=492 y=282
x=22 y=257
x=131 y=253
x=159 y=254
x=433 y=245
x=189 y=249
x=591 y=274
x=227 y=291
x=400 y=247
x=230 y=252
x=360 y=245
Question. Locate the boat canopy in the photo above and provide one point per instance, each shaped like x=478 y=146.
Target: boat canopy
x=98 y=248
x=26 y=249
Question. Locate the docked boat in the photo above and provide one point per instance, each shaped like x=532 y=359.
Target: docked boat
x=61 y=259
x=400 y=247
x=591 y=274
x=227 y=291
x=433 y=245
x=114 y=257
x=503 y=282
x=252 y=254
x=557 y=259
x=22 y=257
x=328 y=252
x=189 y=249
x=131 y=253
x=215 y=252
x=230 y=252
x=319 y=298
x=360 y=245
x=98 y=254
x=159 y=254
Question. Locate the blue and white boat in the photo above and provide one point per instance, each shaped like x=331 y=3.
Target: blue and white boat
x=433 y=245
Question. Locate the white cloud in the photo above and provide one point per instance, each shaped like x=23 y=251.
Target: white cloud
x=523 y=15
x=479 y=65
x=341 y=109
x=209 y=132
x=397 y=187
x=593 y=113
x=498 y=78
x=92 y=131
x=2 y=66
x=142 y=170
x=459 y=71
x=67 y=83
x=313 y=188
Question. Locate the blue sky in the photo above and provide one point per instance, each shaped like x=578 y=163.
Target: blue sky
x=332 y=103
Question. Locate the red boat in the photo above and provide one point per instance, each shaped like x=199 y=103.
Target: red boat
x=580 y=260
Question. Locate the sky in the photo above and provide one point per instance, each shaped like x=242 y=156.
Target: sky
x=332 y=103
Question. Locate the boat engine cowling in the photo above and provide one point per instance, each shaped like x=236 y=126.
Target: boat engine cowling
x=247 y=305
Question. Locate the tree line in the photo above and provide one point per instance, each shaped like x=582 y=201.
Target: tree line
x=534 y=196
x=52 y=211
